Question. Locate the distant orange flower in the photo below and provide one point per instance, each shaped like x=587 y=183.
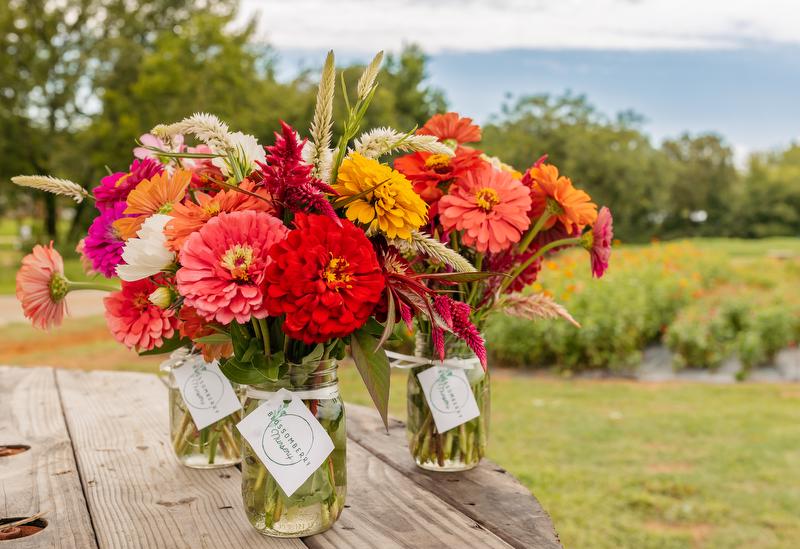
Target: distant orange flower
x=451 y=127
x=159 y=194
x=575 y=208
x=192 y=216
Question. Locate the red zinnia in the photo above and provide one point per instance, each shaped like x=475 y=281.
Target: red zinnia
x=325 y=277
x=134 y=320
x=431 y=172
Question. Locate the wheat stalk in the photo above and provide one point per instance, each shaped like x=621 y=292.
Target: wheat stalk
x=61 y=187
x=205 y=127
x=535 y=306
x=422 y=243
x=322 y=124
x=379 y=141
x=367 y=80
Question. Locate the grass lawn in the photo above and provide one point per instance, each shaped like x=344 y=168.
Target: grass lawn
x=616 y=464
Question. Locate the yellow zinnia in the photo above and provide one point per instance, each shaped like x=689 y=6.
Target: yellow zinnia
x=393 y=208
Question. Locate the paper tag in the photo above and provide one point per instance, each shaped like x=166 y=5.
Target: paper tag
x=449 y=396
x=208 y=394
x=288 y=440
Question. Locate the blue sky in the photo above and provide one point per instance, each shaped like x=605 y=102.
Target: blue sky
x=729 y=66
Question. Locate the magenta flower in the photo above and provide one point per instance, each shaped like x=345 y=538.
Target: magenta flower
x=455 y=315
x=598 y=241
x=116 y=187
x=102 y=245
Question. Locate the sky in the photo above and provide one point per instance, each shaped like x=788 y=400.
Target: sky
x=727 y=66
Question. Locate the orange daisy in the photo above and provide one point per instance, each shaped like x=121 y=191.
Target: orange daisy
x=570 y=206
x=451 y=127
x=190 y=216
x=159 y=194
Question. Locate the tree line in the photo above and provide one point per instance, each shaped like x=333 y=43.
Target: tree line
x=81 y=79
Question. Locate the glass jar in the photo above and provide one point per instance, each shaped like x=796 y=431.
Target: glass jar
x=218 y=445
x=462 y=447
x=318 y=502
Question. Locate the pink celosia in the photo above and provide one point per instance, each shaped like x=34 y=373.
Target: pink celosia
x=134 y=320
x=41 y=287
x=598 y=241
x=223 y=265
x=490 y=206
x=455 y=315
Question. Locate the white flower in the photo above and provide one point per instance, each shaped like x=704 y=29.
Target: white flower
x=147 y=254
x=245 y=149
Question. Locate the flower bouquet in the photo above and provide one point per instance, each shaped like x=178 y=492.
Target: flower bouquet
x=501 y=221
x=269 y=261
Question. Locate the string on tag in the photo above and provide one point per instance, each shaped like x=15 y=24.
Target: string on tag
x=404 y=362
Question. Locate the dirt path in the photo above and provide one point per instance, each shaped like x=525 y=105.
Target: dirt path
x=79 y=304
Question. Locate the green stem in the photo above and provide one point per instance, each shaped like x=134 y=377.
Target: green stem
x=539 y=253
x=523 y=245
x=90 y=286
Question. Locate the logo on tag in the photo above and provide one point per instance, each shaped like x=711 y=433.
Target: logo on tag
x=289 y=438
x=208 y=395
x=203 y=389
x=449 y=393
x=449 y=396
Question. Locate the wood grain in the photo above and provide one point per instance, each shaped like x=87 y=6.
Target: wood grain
x=138 y=494
x=487 y=494
x=387 y=510
x=44 y=478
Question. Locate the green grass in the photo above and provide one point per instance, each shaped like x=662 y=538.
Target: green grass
x=616 y=464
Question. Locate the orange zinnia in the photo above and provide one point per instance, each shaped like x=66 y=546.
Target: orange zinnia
x=190 y=216
x=451 y=127
x=159 y=194
x=573 y=207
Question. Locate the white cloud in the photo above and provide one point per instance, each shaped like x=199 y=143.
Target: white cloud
x=370 y=25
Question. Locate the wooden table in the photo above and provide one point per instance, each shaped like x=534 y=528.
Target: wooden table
x=101 y=466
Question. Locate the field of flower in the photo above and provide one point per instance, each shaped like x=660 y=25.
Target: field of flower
x=707 y=300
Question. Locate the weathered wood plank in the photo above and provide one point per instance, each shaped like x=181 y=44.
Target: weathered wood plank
x=138 y=494
x=387 y=510
x=487 y=494
x=45 y=477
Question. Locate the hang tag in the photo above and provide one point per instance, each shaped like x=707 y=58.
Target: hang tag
x=449 y=396
x=208 y=394
x=287 y=438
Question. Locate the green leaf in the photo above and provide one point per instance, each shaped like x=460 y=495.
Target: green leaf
x=175 y=342
x=214 y=339
x=461 y=277
x=244 y=374
x=374 y=369
x=315 y=355
x=240 y=337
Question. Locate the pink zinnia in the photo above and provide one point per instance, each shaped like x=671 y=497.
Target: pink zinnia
x=223 y=264
x=134 y=320
x=116 y=187
x=490 y=206
x=103 y=244
x=42 y=287
x=598 y=241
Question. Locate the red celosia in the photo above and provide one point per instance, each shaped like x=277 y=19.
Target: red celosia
x=451 y=127
x=288 y=179
x=325 y=277
x=134 y=320
x=455 y=315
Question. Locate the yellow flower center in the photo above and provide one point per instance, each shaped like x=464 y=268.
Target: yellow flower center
x=486 y=198
x=238 y=260
x=211 y=209
x=438 y=162
x=336 y=274
x=165 y=209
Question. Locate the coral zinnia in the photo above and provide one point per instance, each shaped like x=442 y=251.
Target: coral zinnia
x=42 y=287
x=451 y=127
x=102 y=245
x=392 y=207
x=431 y=172
x=223 y=265
x=116 y=187
x=325 y=277
x=134 y=321
x=158 y=194
x=189 y=217
x=572 y=207
x=598 y=241
x=490 y=206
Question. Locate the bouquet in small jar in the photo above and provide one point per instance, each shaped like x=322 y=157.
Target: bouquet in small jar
x=269 y=261
x=501 y=221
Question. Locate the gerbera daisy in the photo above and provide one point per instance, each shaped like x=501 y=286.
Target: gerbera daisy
x=490 y=206
x=392 y=207
x=103 y=245
x=451 y=129
x=134 y=320
x=430 y=173
x=193 y=326
x=223 y=265
x=568 y=205
x=42 y=287
x=116 y=187
x=598 y=241
x=189 y=217
x=325 y=277
x=156 y=195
